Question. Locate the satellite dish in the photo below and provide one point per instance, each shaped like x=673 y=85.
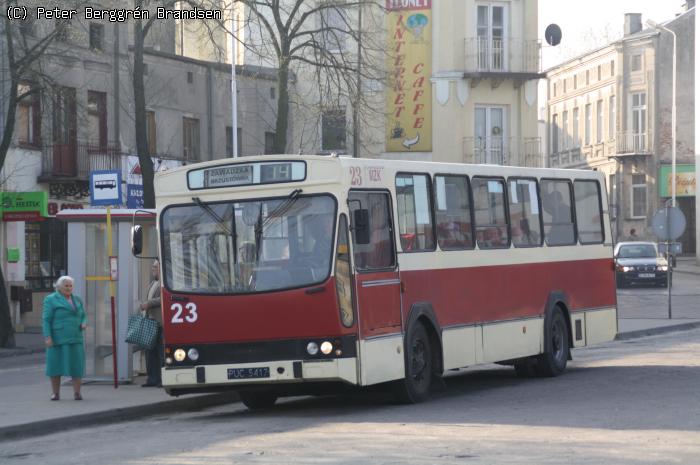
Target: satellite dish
x=553 y=35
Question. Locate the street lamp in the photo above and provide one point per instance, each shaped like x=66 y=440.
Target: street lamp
x=654 y=25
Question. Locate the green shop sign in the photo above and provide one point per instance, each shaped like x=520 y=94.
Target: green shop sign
x=685 y=181
x=24 y=206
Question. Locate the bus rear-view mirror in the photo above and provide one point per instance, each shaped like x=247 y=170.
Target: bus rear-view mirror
x=136 y=240
x=361 y=226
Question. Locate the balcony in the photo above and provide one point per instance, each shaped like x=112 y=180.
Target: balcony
x=633 y=144
x=502 y=58
x=74 y=161
x=510 y=151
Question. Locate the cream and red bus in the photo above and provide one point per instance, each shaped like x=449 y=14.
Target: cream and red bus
x=290 y=274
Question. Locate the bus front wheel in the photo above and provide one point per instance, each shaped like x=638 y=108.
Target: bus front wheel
x=258 y=400
x=556 y=352
x=415 y=387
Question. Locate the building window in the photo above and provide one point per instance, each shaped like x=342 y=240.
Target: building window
x=97 y=35
x=151 y=134
x=65 y=121
x=576 y=138
x=600 y=72
x=273 y=93
x=612 y=195
x=565 y=131
x=190 y=139
x=97 y=118
x=588 y=77
x=269 y=142
x=636 y=62
x=190 y=77
x=639 y=196
x=333 y=129
x=564 y=90
x=612 y=68
x=28 y=122
x=45 y=253
x=612 y=112
x=639 y=120
x=554 y=88
x=575 y=81
x=555 y=133
x=599 y=122
x=334 y=27
x=587 y=129
x=491 y=37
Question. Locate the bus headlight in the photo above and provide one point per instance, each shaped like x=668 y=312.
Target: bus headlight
x=326 y=347
x=312 y=348
x=179 y=355
x=193 y=354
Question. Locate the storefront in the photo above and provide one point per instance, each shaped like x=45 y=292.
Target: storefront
x=685 y=199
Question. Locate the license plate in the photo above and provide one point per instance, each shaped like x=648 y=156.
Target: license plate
x=248 y=373
x=647 y=275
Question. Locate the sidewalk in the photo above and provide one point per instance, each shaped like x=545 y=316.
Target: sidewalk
x=25 y=409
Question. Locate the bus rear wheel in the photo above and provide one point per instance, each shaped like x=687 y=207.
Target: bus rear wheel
x=258 y=400
x=415 y=387
x=556 y=352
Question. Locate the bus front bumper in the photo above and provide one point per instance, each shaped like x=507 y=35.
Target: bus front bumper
x=261 y=373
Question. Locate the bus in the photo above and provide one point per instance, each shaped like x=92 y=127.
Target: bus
x=297 y=274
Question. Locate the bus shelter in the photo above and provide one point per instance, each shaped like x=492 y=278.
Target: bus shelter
x=89 y=266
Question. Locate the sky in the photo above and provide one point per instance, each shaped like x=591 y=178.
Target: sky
x=589 y=24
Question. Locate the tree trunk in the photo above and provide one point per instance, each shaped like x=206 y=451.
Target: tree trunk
x=282 y=108
x=7 y=332
x=149 y=198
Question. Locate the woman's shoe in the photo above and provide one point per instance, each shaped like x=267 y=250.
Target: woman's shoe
x=77 y=396
x=55 y=397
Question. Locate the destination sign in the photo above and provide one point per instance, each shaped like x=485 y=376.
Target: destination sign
x=228 y=176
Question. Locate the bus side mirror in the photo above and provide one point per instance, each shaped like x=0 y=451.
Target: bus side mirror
x=136 y=240
x=360 y=221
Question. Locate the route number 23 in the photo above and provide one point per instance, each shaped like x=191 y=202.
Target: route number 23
x=191 y=316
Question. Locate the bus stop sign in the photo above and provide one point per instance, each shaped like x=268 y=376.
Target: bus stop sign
x=668 y=223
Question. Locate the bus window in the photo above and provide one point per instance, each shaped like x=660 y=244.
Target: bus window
x=415 y=220
x=589 y=217
x=557 y=215
x=526 y=230
x=453 y=212
x=490 y=213
x=379 y=252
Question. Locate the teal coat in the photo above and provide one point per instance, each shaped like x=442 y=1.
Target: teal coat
x=60 y=321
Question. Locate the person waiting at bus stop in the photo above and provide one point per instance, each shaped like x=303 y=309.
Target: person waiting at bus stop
x=151 y=307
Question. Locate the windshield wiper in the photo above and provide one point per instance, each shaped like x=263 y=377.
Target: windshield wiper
x=213 y=214
x=280 y=210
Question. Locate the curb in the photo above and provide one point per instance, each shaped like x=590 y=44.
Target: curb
x=654 y=331
x=19 y=351
x=44 y=427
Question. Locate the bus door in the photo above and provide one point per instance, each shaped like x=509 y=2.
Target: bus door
x=378 y=285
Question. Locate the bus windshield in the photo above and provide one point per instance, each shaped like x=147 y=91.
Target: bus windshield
x=248 y=246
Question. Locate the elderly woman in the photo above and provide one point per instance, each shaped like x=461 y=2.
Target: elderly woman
x=64 y=321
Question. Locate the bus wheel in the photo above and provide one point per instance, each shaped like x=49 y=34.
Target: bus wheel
x=415 y=387
x=556 y=353
x=258 y=400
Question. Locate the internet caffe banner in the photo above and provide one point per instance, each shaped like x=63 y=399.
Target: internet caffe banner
x=409 y=93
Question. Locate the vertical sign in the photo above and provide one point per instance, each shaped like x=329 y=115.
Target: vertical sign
x=409 y=94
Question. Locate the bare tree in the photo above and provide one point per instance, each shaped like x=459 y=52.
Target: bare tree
x=313 y=36
x=24 y=48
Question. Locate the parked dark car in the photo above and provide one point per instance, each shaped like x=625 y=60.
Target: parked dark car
x=639 y=264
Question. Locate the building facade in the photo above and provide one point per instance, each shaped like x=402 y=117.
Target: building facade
x=84 y=121
x=610 y=110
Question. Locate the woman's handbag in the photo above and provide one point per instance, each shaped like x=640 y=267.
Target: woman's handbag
x=142 y=331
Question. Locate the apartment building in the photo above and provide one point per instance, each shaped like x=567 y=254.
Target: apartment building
x=610 y=110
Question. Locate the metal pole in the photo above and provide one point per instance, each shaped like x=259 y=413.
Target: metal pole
x=668 y=258
x=673 y=123
x=234 y=102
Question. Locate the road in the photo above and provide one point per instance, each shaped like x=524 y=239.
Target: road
x=626 y=402
x=653 y=302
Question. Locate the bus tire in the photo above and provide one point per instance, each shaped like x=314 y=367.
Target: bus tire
x=556 y=345
x=258 y=400
x=415 y=386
